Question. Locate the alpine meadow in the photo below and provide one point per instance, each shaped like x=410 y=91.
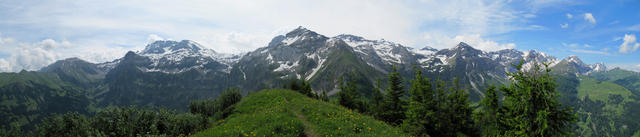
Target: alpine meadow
x=280 y=68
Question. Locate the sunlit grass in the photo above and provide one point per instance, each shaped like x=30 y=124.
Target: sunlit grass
x=288 y=113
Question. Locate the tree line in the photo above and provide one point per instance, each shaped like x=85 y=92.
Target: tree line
x=134 y=121
x=527 y=106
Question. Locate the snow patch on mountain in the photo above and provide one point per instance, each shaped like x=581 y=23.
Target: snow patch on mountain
x=173 y=52
x=384 y=49
x=286 y=66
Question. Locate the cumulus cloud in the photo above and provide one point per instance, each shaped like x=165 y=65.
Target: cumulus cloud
x=153 y=37
x=564 y=26
x=589 y=17
x=629 y=44
x=33 y=56
x=569 y=16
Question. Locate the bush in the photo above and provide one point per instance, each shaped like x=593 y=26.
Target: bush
x=123 y=122
x=218 y=108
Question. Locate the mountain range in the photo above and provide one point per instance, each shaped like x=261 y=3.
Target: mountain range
x=171 y=73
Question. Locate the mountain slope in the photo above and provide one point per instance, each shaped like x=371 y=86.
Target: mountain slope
x=27 y=97
x=129 y=84
x=288 y=113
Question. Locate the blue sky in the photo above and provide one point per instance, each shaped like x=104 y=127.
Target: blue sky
x=35 y=33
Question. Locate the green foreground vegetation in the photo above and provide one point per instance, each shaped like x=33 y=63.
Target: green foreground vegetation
x=287 y=113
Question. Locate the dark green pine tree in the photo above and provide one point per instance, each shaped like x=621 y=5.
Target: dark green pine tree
x=420 y=112
x=376 y=100
x=532 y=107
x=347 y=95
x=441 y=104
x=394 y=106
x=488 y=116
x=306 y=89
x=324 y=96
x=459 y=112
x=294 y=85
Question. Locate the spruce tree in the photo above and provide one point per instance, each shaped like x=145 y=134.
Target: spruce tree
x=488 y=117
x=394 y=106
x=306 y=89
x=460 y=112
x=420 y=112
x=532 y=107
x=376 y=100
x=294 y=85
x=347 y=95
x=324 y=96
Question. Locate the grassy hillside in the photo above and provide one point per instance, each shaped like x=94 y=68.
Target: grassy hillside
x=600 y=90
x=27 y=97
x=612 y=94
x=288 y=113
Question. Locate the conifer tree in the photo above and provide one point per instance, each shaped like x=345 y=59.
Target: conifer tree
x=488 y=116
x=306 y=89
x=376 y=100
x=532 y=107
x=394 y=106
x=347 y=95
x=324 y=96
x=460 y=112
x=294 y=85
x=420 y=112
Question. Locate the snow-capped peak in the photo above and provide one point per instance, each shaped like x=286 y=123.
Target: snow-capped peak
x=425 y=51
x=298 y=34
x=169 y=53
x=463 y=46
x=162 y=46
x=598 y=67
x=386 y=50
x=574 y=59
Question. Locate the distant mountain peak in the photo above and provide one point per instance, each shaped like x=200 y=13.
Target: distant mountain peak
x=462 y=45
x=298 y=34
x=301 y=31
x=164 y=46
x=574 y=59
x=350 y=37
x=427 y=48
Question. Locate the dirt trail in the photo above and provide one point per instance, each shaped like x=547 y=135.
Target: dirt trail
x=307 y=130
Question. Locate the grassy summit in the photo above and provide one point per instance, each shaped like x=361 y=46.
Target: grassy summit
x=279 y=112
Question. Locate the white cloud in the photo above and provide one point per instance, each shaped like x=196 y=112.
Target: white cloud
x=629 y=44
x=627 y=66
x=4 y=65
x=572 y=45
x=33 y=56
x=569 y=16
x=634 y=28
x=153 y=37
x=529 y=15
x=589 y=17
x=590 y=51
x=564 y=26
x=474 y=40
